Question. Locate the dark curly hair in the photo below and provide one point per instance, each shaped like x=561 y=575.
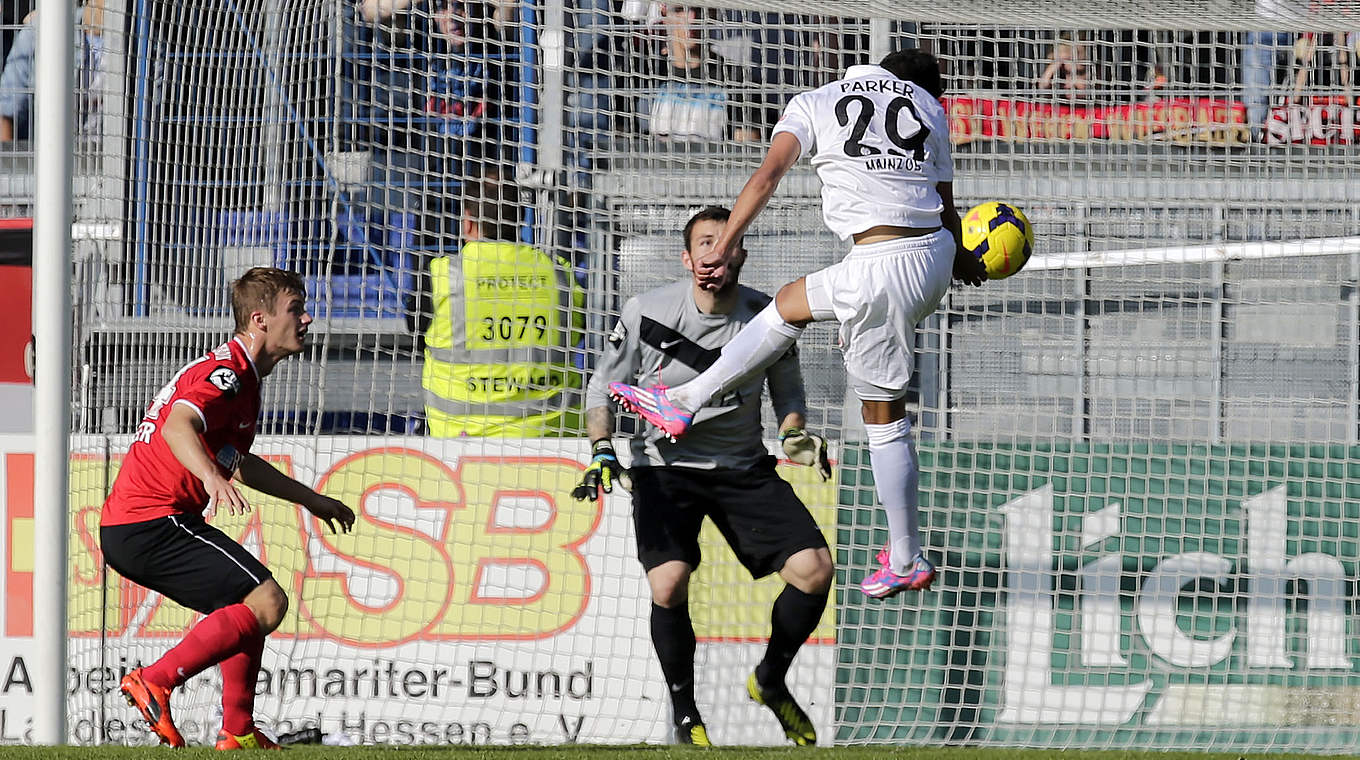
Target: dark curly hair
x=916 y=66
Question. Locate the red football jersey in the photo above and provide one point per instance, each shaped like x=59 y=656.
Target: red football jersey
x=223 y=388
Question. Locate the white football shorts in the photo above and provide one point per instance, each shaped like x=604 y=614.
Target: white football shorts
x=879 y=292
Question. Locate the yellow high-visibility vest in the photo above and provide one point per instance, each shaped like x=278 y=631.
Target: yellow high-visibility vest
x=498 y=350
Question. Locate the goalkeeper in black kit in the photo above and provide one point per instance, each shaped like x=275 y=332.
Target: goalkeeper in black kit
x=719 y=469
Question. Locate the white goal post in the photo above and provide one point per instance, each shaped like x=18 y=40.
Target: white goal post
x=1139 y=455
x=52 y=328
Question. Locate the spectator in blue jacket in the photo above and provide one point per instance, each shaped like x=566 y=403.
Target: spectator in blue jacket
x=17 y=79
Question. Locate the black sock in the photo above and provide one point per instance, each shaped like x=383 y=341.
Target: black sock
x=792 y=620
x=673 y=638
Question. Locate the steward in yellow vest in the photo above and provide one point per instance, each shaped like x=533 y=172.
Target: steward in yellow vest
x=504 y=318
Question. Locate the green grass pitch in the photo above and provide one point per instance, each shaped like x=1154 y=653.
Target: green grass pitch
x=598 y=752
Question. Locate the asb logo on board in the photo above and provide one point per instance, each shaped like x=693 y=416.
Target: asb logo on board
x=484 y=548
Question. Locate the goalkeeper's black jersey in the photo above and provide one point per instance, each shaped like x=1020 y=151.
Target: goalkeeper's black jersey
x=662 y=337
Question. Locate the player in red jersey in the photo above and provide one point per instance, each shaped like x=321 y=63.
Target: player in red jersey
x=195 y=437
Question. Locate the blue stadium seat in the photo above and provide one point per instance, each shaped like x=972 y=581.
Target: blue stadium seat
x=373 y=265
x=258 y=238
x=362 y=272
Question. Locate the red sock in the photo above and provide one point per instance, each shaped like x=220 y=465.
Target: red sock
x=239 y=674
x=215 y=638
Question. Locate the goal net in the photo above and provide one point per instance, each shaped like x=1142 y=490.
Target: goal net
x=1137 y=454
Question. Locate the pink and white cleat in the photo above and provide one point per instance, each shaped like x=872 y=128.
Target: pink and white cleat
x=653 y=406
x=883 y=582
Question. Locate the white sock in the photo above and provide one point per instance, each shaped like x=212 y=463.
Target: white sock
x=896 y=477
x=759 y=344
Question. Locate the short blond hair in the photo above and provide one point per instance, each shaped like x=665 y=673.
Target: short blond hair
x=259 y=288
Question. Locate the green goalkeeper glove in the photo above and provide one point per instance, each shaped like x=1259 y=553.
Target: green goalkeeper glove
x=603 y=470
x=806 y=449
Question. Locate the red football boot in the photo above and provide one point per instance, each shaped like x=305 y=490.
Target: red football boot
x=154 y=703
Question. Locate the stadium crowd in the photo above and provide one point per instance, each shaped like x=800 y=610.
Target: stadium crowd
x=430 y=97
x=440 y=73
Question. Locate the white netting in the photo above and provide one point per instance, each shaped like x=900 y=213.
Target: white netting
x=1102 y=14
x=1137 y=453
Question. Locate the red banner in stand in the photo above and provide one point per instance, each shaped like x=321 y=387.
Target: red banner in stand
x=1175 y=120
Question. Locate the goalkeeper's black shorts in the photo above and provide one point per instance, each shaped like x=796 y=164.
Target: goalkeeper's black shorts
x=756 y=511
x=185 y=559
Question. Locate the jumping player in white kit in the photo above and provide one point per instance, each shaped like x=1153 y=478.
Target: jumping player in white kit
x=879 y=140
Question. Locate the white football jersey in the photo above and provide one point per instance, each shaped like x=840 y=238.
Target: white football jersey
x=879 y=145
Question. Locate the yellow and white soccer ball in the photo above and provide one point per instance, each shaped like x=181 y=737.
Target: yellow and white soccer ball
x=1000 y=235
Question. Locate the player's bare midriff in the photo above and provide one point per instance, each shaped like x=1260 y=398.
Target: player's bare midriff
x=880 y=232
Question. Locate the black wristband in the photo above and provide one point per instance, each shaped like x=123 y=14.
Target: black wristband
x=602 y=446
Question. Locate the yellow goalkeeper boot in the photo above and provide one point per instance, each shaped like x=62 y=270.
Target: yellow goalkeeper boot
x=691 y=731
x=253 y=740
x=796 y=723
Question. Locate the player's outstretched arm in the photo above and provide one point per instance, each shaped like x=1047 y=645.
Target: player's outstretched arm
x=182 y=431
x=265 y=478
x=783 y=153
